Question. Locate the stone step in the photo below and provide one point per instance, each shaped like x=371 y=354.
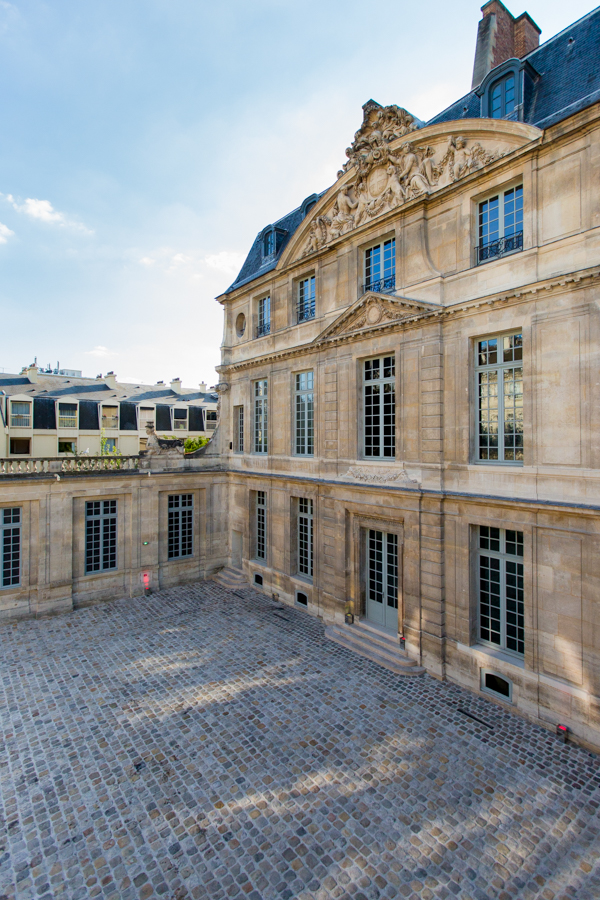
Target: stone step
x=230 y=578
x=378 y=647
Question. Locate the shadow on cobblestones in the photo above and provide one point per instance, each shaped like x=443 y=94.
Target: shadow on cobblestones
x=204 y=744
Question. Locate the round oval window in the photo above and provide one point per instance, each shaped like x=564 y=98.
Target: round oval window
x=240 y=324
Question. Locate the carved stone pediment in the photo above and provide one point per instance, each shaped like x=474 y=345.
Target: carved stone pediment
x=393 y=160
x=373 y=310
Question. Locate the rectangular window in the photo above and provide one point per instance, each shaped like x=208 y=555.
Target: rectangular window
x=211 y=419
x=147 y=415
x=305 y=537
x=19 y=446
x=261 y=526
x=20 y=414
x=261 y=413
x=67 y=415
x=180 y=420
x=100 y=535
x=500 y=397
x=67 y=446
x=380 y=407
x=306 y=299
x=110 y=417
x=238 y=429
x=10 y=536
x=264 y=317
x=305 y=416
x=380 y=267
x=500 y=587
x=181 y=526
x=500 y=225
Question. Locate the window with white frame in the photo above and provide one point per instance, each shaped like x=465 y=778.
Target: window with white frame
x=110 y=417
x=10 y=546
x=238 y=429
x=100 y=535
x=500 y=399
x=305 y=537
x=68 y=446
x=147 y=416
x=180 y=419
x=260 y=548
x=180 y=538
x=500 y=588
x=304 y=414
x=500 y=224
x=211 y=419
x=20 y=414
x=305 y=307
x=379 y=407
x=380 y=267
x=264 y=316
x=67 y=415
x=261 y=416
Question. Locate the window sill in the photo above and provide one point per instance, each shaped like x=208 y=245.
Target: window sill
x=501 y=655
x=495 y=464
x=303 y=579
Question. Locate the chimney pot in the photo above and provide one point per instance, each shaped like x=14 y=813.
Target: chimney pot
x=500 y=37
x=111 y=379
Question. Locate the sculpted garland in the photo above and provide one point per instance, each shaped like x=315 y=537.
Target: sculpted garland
x=385 y=177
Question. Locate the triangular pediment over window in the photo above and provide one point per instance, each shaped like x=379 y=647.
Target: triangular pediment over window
x=372 y=311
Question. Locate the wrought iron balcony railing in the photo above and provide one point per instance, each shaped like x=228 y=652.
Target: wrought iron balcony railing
x=306 y=311
x=496 y=249
x=381 y=285
x=263 y=329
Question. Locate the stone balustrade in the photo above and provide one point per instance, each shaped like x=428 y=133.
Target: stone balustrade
x=71 y=465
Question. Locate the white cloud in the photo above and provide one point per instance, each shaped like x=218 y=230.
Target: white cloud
x=5 y=233
x=100 y=352
x=227 y=261
x=194 y=265
x=147 y=261
x=43 y=211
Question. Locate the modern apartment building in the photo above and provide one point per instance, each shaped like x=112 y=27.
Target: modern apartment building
x=43 y=414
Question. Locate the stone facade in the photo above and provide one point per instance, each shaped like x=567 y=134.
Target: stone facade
x=482 y=497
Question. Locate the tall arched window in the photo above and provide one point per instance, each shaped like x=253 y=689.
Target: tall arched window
x=502 y=97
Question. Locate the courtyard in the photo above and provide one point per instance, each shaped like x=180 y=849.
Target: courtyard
x=202 y=743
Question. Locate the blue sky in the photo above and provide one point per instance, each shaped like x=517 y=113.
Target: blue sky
x=143 y=143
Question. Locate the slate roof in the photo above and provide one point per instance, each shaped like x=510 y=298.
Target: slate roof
x=72 y=388
x=568 y=66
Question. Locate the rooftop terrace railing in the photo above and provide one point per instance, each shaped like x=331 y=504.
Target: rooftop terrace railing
x=71 y=465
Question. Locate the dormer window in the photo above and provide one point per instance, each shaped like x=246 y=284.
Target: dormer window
x=502 y=97
x=269 y=243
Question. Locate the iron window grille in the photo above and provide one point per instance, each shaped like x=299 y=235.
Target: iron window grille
x=500 y=399
x=500 y=225
x=500 y=588
x=261 y=415
x=181 y=526
x=380 y=267
x=261 y=525
x=67 y=415
x=380 y=407
x=305 y=537
x=305 y=414
x=10 y=534
x=306 y=299
x=100 y=535
x=20 y=414
x=264 y=317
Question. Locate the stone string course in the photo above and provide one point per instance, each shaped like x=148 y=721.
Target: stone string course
x=201 y=743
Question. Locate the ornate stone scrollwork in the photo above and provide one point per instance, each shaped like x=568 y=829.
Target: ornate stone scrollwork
x=387 y=177
x=356 y=473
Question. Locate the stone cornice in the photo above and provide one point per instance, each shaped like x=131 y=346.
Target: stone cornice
x=511 y=297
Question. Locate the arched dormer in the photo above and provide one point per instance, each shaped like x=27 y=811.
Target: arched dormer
x=503 y=90
x=308 y=204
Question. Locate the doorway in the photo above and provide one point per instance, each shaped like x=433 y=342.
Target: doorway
x=382 y=579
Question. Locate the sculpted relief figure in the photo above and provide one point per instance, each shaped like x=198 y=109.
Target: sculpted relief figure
x=387 y=177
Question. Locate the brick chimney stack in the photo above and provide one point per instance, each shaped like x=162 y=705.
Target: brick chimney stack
x=500 y=37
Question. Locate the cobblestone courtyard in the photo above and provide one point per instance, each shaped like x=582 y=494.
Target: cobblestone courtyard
x=207 y=744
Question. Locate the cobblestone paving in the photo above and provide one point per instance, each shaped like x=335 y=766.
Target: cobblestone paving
x=207 y=744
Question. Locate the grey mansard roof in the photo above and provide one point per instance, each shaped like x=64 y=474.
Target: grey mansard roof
x=68 y=387
x=566 y=79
